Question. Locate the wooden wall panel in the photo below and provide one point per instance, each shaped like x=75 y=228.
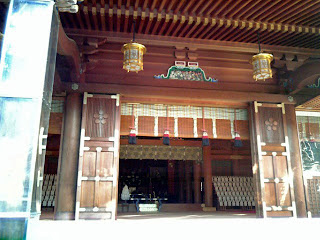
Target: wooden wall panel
x=87 y=194
x=145 y=126
x=105 y=193
x=223 y=127
x=279 y=214
x=284 y=194
x=55 y=123
x=208 y=127
x=185 y=127
x=125 y=124
x=282 y=166
x=106 y=164
x=243 y=129
x=162 y=125
x=267 y=167
x=89 y=164
x=270 y=193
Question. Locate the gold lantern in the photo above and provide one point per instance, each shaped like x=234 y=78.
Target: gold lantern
x=133 y=55
x=261 y=65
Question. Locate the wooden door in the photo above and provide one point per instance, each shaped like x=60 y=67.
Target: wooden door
x=97 y=187
x=274 y=167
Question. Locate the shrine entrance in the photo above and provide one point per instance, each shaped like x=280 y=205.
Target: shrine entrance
x=179 y=176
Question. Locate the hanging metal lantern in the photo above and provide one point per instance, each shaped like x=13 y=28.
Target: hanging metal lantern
x=261 y=66
x=133 y=54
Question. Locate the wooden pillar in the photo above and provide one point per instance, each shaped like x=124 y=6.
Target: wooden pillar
x=68 y=160
x=296 y=163
x=171 y=177
x=207 y=172
x=181 y=181
x=188 y=181
x=197 y=182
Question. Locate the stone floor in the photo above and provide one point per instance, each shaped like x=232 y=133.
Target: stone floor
x=220 y=225
x=177 y=226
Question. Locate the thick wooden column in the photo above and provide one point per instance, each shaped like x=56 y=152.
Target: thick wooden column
x=296 y=163
x=207 y=172
x=188 y=181
x=171 y=177
x=181 y=181
x=68 y=161
x=197 y=182
x=255 y=161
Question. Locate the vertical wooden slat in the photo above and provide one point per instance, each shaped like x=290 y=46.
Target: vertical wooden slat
x=255 y=160
x=296 y=161
x=223 y=127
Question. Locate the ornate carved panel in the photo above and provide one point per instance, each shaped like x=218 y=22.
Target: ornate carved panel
x=271 y=125
x=100 y=118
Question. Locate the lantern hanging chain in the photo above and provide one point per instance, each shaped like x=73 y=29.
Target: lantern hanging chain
x=134 y=31
x=259 y=41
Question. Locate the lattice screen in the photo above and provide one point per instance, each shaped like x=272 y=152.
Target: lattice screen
x=184 y=121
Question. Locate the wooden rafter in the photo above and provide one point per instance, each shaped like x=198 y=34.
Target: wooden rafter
x=210 y=19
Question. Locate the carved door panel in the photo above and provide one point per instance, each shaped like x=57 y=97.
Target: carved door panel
x=274 y=161
x=97 y=188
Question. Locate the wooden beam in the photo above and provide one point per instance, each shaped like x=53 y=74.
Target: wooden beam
x=68 y=47
x=252 y=5
x=154 y=2
x=264 y=10
x=103 y=18
x=196 y=7
x=176 y=94
x=304 y=10
x=238 y=9
x=181 y=2
x=232 y=7
x=189 y=4
x=94 y=16
x=86 y=17
x=195 y=43
x=243 y=12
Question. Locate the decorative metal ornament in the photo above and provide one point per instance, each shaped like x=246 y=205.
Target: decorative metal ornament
x=133 y=55
x=261 y=65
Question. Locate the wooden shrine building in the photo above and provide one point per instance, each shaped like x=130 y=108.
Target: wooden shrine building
x=197 y=82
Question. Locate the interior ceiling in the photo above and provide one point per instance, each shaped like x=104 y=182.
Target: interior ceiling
x=279 y=22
